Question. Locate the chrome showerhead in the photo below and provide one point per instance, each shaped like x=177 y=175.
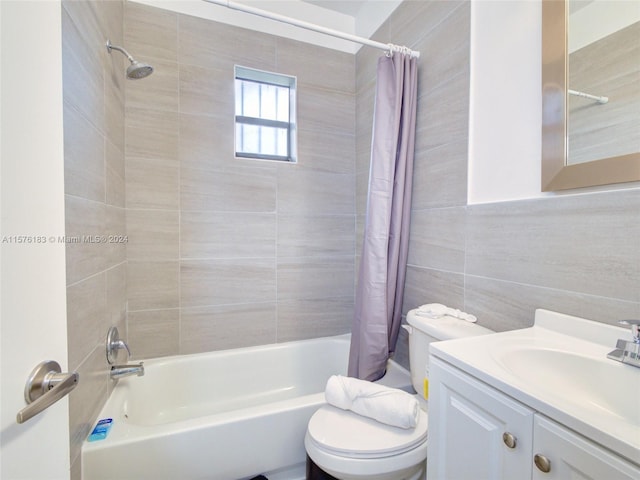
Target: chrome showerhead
x=136 y=70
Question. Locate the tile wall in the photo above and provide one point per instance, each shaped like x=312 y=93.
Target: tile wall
x=226 y=252
x=576 y=254
x=93 y=96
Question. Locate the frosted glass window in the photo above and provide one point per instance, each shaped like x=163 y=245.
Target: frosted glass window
x=265 y=115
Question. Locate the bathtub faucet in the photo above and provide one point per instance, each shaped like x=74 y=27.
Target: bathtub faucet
x=120 y=371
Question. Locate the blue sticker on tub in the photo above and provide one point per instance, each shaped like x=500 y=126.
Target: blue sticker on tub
x=101 y=430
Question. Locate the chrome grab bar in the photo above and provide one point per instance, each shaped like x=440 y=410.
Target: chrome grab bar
x=44 y=387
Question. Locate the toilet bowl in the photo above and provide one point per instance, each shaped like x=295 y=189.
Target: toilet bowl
x=349 y=446
x=352 y=447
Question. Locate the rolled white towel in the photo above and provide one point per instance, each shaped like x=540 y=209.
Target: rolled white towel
x=437 y=310
x=384 y=404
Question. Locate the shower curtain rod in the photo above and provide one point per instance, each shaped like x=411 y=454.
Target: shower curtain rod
x=589 y=96
x=316 y=28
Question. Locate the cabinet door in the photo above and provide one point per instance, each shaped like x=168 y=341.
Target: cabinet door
x=569 y=455
x=467 y=422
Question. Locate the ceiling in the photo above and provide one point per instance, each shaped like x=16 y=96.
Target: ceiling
x=346 y=7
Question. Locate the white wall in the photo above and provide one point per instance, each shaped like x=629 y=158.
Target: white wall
x=505 y=101
x=599 y=19
x=33 y=295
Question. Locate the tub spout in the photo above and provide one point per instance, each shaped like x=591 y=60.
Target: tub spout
x=120 y=371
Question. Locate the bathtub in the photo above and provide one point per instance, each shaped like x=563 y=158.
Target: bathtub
x=224 y=415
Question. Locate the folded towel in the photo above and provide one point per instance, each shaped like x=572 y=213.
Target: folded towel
x=384 y=404
x=437 y=310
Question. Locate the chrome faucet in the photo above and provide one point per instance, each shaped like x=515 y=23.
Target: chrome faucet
x=628 y=351
x=113 y=344
x=121 y=371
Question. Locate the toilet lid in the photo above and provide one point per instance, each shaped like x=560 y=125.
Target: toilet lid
x=348 y=434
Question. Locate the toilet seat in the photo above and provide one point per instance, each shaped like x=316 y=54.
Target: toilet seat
x=347 y=434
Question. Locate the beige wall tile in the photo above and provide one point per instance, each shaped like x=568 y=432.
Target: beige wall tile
x=563 y=242
x=84 y=218
x=114 y=235
x=424 y=285
x=437 y=239
x=443 y=113
x=205 y=329
x=434 y=68
x=327 y=110
x=316 y=66
x=153 y=333
x=115 y=171
x=152 y=183
x=440 y=176
x=315 y=235
x=152 y=235
x=242 y=189
x=152 y=169
x=86 y=400
x=114 y=94
x=159 y=91
x=152 y=285
x=227 y=281
x=206 y=142
x=217 y=45
x=227 y=235
x=503 y=305
x=304 y=191
x=152 y=134
x=302 y=319
x=84 y=157
x=116 y=300
x=306 y=278
x=207 y=91
x=326 y=151
x=82 y=74
x=150 y=32
x=87 y=311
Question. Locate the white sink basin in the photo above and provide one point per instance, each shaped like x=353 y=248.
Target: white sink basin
x=595 y=383
x=559 y=367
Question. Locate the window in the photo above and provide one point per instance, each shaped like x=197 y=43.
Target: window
x=265 y=115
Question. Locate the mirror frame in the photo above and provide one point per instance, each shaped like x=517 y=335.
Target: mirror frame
x=556 y=173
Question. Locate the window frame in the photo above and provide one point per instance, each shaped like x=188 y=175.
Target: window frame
x=262 y=77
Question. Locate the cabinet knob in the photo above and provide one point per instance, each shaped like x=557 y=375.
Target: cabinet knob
x=542 y=462
x=509 y=440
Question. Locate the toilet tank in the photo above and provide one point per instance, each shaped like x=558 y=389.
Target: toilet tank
x=424 y=330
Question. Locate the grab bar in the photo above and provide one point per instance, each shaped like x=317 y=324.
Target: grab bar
x=44 y=387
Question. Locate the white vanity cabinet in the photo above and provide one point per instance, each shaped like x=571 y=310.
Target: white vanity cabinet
x=477 y=432
x=571 y=456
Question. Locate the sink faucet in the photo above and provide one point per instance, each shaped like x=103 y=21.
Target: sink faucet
x=121 y=371
x=628 y=351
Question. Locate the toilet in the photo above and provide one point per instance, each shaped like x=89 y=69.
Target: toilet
x=348 y=446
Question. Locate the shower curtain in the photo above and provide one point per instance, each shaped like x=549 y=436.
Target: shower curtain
x=383 y=264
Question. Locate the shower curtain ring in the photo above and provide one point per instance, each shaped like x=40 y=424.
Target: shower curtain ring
x=389 y=53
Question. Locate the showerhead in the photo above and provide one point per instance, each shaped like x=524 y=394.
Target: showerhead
x=136 y=70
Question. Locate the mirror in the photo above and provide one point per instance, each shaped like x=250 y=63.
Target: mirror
x=591 y=136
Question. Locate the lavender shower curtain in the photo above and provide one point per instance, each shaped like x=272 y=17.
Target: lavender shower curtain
x=383 y=264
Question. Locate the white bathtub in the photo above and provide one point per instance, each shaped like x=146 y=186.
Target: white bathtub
x=225 y=415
